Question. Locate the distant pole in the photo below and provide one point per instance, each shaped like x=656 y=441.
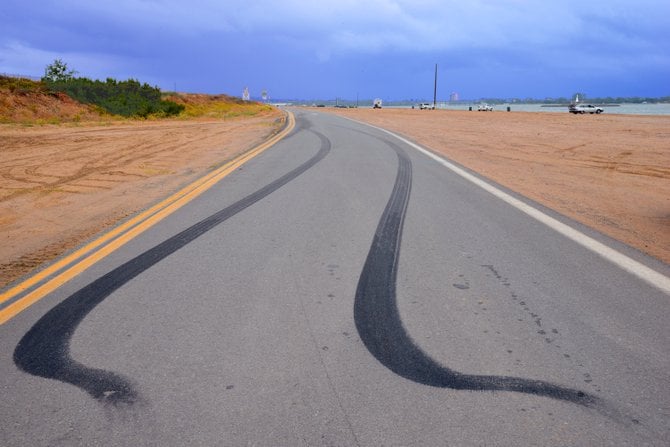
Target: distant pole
x=435 y=90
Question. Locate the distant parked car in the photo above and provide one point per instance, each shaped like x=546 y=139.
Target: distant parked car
x=584 y=108
x=426 y=106
x=377 y=104
x=485 y=108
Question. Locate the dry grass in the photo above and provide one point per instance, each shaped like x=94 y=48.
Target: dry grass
x=216 y=106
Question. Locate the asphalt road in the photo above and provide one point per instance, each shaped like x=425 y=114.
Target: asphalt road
x=343 y=288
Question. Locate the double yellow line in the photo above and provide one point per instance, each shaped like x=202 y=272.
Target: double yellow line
x=109 y=242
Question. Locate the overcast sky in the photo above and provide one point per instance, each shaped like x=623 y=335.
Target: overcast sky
x=343 y=48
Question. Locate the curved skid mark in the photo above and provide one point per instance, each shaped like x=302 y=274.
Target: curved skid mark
x=379 y=325
x=44 y=350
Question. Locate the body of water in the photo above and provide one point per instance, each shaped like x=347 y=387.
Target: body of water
x=623 y=109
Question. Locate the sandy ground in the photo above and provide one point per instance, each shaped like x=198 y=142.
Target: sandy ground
x=609 y=172
x=61 y=185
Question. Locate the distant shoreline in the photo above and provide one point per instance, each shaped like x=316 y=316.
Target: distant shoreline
x=618 y=109
x=566 y=105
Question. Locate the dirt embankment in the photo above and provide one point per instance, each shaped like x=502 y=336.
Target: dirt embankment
x=26 y=101
x=610 y=172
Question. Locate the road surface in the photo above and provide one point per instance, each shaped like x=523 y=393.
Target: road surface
x=343 y=288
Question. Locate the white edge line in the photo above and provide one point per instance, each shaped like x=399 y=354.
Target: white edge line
x=628 y=264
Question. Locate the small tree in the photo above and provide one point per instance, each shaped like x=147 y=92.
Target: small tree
x=57 y=72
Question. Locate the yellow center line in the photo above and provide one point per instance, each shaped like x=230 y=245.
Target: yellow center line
x=127 y=231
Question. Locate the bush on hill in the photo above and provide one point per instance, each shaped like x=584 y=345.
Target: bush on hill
x=126 y=98
x=26 y=101
x=61 y=97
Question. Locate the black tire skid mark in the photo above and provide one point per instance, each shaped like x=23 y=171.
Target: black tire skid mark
x=380 y=327
x=44 y=351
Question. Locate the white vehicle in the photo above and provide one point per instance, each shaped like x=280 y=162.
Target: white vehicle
x=426 y=106
x=377 y=104
x=584 y=108
x=485 y=108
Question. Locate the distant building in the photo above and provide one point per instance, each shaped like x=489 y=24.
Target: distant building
x=453 y=97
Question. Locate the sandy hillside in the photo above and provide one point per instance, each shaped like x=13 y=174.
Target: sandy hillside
x=610 y=172
x=26 y=101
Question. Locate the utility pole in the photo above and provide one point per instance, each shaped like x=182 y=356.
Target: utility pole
x=435 y=90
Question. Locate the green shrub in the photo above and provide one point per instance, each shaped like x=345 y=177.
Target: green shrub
x=127 y=98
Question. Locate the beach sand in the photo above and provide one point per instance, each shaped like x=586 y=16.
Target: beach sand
x=61 y=185
x=609 y=172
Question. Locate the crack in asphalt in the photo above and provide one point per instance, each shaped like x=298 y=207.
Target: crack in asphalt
x=44 y=351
